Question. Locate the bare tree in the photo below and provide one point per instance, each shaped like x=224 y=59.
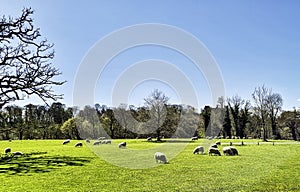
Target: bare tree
x=156 y=103
x=25 y=61
x=260 y=96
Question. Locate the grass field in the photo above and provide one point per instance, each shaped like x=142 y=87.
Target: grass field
x=47 y=165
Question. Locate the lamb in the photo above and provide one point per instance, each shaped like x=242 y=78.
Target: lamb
x=230 y=151
x=199 y=149
x=122 y=145
x=97 y=143
x=66 y=141
x=194 y=138
x=213 y=150
x=7 y=150
x=160 y=157
x=79 y=144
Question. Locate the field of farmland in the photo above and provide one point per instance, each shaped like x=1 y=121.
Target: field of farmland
x=47 y=165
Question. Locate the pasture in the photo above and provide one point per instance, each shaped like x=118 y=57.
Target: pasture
x=47 y=165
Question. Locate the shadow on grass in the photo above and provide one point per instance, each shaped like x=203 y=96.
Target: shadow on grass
x=37 y=162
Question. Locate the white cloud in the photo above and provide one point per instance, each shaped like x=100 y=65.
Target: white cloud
x=298 y=99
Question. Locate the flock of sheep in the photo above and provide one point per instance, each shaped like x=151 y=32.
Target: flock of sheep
x=158 y=156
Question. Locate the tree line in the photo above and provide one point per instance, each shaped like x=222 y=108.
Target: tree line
x=231 y=118
x=26 y=69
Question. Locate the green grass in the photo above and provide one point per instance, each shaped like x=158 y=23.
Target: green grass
x=47 y=165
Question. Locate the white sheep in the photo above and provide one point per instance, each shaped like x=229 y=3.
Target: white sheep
x=194 y=138
x=17 y=153
x=7 y=150
x=198 y=150
x=149 y=139
x=66 y=141
x=214 y=151
x=230 y=151
x=122 y=145
x=79 y=144
x=97 y=143
x=214 y=146
x=107 y=142
x=234 y=151
x=160 y=157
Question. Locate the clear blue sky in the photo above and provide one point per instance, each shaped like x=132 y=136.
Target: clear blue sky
x=254 y=42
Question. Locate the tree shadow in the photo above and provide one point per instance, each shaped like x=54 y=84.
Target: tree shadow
x=37 y=162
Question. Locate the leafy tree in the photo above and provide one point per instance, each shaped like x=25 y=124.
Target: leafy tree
x=69 y=129
x=227 y=123
x=206 y=113
x=274 y=105
x=25 y=61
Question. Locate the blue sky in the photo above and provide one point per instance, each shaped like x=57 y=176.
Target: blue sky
x=254 y=42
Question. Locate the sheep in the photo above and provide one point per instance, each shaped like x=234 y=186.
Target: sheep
x=234 y=151
x=149 y=139
x=194 y=138
x=101 y=138
x=66 y=141
x=199 y=149
x=97 y=143
x=87 y=140
x=7 y=150
x=79 y=144
x=218 y=143
x=230 y=151
x=213 y=150
x=17 y=153
x=227 y=151
x=214 y=146
x=107 y=142
x=122 y=145
x=160 y=157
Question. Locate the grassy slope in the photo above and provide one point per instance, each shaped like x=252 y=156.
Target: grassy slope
x=49 y=166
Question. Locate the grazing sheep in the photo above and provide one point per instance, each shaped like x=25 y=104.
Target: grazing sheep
x=234 y=151
x=149 y=139
x=194 y=138
x=218 y=143
x=107 y=142
x=122 y=145
x=17 y=153
x=79 y=144
x=230 y=151
x=87 y=140
x=160 y=157
x=214 y=151
x=97 y=143
x=227 y=151
x=101 y=138
x=7 y=150
x=214 y=146
x=66 y=141
x=198 y=150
